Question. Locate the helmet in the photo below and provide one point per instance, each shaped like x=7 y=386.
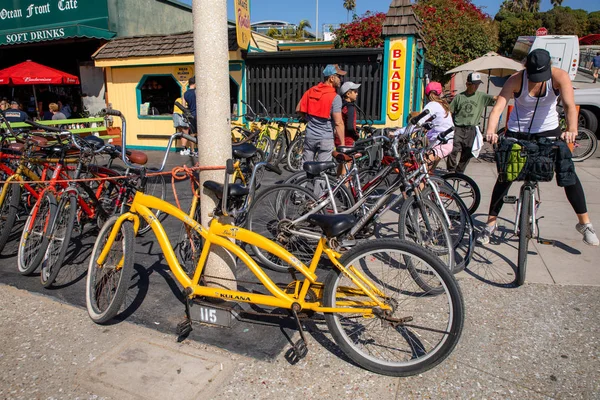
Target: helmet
x=433 y=87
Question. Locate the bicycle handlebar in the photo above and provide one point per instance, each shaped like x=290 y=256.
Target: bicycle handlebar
x=414 y=120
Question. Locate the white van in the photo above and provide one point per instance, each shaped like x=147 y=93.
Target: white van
x=564 y=50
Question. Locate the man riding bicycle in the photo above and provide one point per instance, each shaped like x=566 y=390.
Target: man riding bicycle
x=535 y=91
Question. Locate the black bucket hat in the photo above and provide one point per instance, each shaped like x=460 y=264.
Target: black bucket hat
x=539 y=65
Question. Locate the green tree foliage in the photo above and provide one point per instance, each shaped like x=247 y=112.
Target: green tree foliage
x=350 y=6
x=511 y=25
x=594 y=22
x=290 y=33
x=456 y=31
x=363 y=31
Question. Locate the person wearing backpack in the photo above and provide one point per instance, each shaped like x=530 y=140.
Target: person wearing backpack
x=536 y=90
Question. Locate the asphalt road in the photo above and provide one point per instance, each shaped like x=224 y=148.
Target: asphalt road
x=154 y=299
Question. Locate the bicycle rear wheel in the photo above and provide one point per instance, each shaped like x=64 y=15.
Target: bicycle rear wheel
x=272 y=214
x=34 y=240
x=525 y=233
x=294 y=153
x=420 y=330
x=106 y=284
x=585 y=145
x=59 y=237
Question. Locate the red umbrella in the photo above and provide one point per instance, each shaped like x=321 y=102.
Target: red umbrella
x=32 y=73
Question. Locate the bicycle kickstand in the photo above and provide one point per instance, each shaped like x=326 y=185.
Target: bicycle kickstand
x=300 y=348
x=540 y=239
x=185 y=327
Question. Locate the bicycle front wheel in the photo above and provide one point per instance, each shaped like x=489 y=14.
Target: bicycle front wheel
x=59 y=237
x=34 y=240
x=525 y=232
x=106 y=284
x=467 y=189
x=420 y=221
x=419 y=330
x=8 y=212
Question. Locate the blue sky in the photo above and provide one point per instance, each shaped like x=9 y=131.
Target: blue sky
x=332 y=12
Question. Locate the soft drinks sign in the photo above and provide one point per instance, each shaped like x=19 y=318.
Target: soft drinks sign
x=396 y=79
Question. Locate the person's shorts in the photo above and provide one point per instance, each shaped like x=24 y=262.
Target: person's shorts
x=179 y=122
x=348 y=141
x=442 y=150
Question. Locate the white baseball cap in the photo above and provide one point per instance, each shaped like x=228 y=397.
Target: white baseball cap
x=348 y=86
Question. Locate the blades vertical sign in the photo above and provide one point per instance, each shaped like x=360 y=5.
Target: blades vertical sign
x=242 y=22
x=396 y=79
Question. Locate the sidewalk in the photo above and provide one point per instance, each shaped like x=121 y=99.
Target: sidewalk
x=539 y=341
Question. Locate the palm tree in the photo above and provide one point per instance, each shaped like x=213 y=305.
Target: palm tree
x=301 y=29
x=349 y=5
x=556 y=3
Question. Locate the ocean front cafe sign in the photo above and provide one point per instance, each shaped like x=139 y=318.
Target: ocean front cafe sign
x=23 y=21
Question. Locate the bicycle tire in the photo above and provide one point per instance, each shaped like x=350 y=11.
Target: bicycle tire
x=462 y=226
x=61 y=225
x=587 y=141
x=34 y=240
x=104 y=303
x=294 y=154
x=406 y=229
x=294 y=177
x=155 y=186
x=524 y=236
x=8 y=212
x=458 y=180
x=413 y=346
x=268 y=215
x=278 y=148
x=265 y=144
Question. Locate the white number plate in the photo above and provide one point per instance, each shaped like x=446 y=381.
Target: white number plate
x=208 y=314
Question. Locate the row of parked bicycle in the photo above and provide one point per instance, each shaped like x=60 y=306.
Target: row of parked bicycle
x=391 y=305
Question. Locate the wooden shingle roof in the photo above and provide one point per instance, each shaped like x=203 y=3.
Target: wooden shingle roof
x=154 y=45
x=402 y=20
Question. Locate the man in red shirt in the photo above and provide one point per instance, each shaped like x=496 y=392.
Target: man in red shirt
x=322 y=107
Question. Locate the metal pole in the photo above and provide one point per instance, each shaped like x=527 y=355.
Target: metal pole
x=37 y=110
x=211 y=68
x=317 y=23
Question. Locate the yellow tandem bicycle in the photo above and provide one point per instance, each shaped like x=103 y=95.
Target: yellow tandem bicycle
x=374 y=310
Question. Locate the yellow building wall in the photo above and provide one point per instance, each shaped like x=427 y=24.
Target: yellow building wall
x=122 y=95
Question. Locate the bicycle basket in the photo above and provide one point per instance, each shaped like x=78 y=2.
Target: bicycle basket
x=511 y=158
x=520 y=161
x=540 y=163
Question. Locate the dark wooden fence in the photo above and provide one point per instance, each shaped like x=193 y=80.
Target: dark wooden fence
x=285 y=76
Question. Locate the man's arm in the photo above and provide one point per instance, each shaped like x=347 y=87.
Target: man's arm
x=300 y=113
x=339 y=126
x=509 y=88
x=568 y=99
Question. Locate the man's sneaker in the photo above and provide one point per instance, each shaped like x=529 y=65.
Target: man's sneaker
x=486 y=234
x=185 y=152
x=589 y=234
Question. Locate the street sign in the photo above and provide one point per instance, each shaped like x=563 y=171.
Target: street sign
x=242 y=22
x=541 y=32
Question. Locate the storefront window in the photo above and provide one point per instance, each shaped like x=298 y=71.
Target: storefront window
x=157 y=94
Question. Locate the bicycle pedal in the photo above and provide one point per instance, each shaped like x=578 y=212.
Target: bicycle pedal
x=184 y=327
x=300 y=349
x=547 y=242
x=510 y=199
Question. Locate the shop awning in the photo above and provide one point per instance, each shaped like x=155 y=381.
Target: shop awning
x=42 y=34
